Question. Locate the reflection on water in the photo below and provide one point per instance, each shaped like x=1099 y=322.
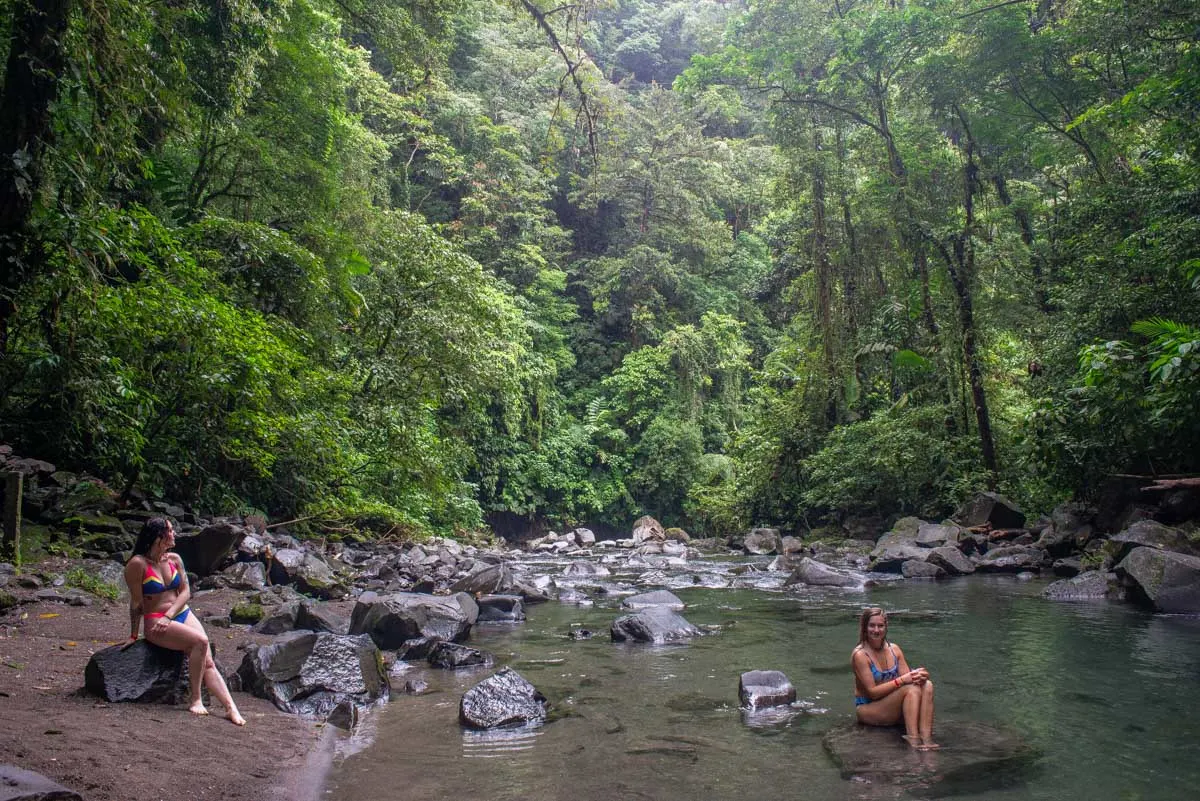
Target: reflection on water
x=1094 y=688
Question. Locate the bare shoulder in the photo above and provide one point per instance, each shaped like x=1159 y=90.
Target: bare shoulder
x=176 y=559
x=856 y=654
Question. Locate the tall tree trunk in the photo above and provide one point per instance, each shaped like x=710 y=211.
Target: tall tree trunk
x=1027 y=236
x=35 y=60
x=824 y=275
x=961 y=266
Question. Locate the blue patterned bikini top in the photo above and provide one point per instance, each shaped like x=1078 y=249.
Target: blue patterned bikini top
x=891 y=673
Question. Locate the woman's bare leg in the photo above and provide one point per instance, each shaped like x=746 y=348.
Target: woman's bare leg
x=926 y=719
x=182 y=637
x=212 y=677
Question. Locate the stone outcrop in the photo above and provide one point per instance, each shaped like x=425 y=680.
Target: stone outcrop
x=18 y=784
x=390 y=620
x=1090 y=586
x=992 y=510
x=138 y=672
x=1167 y=581
x=313 y=674
x=205 y=550
x=818 y=574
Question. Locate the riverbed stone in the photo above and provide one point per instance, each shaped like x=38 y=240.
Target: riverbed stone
x=1010 y=559
x=762 y=541
x=951 y=559
x=390 y=620
x=1152 y=534
x=878 y=755
x=818 y=574
x=655 y=625
x=656 y=598
x=646 y=528
x=1090 y=586
x=454 y=656
x=489 y=580
x=307 y=571
x=18 y=784
x=759 y=689
x=915 y=569
x=1168 y=581
x=935 y=535
x=500 y=609
x=311 y=674
x=585 y=537
x=586 y=570
x=505 y=698
x=993 y=510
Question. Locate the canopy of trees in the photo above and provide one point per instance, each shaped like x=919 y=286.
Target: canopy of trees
x=400 y=266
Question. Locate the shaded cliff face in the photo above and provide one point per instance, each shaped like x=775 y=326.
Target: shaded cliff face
x=517 y=529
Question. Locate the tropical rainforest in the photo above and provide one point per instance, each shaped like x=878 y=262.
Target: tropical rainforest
x=419 y=265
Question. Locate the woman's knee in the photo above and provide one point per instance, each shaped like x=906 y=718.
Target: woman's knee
x=927 y=689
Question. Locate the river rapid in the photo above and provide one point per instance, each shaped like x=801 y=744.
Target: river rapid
x=1099 y=690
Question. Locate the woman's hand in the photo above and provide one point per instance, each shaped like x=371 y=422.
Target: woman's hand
x=160 y=624
x=918 y=676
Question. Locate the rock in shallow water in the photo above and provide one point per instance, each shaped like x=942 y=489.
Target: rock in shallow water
x=656 y=624
x=758 y=689
x=971 y=755
x=502 y=699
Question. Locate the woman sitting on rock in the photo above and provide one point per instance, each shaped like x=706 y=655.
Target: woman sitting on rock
x=885 y=690
x=159 y=592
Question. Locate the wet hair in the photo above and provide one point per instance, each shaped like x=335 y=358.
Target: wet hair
x=865 y=618
x=152 y=531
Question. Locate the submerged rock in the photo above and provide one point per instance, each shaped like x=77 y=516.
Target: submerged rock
x=971 y=753
x=759 y=689
x=817 y=574
x=502 y=699
x=1089 y=586
x=452 y=656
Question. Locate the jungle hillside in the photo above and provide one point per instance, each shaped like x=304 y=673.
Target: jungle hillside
x=429 y=266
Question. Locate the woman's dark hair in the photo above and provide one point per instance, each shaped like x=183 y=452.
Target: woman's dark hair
x=867 y=614
x=152 y=531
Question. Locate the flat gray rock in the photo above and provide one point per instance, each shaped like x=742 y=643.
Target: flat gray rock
x=1090 y=586
x=759 y=689
x=653 y=625
x=18 y=784
x=646 y=600
x=972 y=755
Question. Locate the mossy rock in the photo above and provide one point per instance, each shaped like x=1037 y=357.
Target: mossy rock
x=87 y=496
x=7 y=601
x=246 y=613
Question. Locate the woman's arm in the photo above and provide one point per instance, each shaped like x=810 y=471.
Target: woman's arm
x=862 y=671
x=184 y=593
x=133 y=578
x=907 y=674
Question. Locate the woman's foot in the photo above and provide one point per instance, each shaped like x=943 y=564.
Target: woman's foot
x=198 y=708
x=928 y=744
x=914 y=741
x=235 y=717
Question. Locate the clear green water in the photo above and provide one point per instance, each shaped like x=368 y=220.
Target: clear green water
x=1102 y=691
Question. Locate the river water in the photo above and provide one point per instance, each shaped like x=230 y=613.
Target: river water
x=1102 y=692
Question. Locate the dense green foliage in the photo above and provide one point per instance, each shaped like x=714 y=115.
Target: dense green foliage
x=399 y=266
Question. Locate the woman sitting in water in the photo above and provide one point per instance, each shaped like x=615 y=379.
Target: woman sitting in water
x=159 y=592
x=885 y=690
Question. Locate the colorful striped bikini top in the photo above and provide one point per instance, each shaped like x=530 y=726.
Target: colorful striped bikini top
x=153 y=585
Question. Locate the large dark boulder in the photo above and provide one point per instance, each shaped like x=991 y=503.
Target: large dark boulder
x=487 y=580
x=503 y=699
x=138 y=672
x=935 y=535
x=313 y=674
x=878 y=755
x=204 y=551
x=950 y=559
x=817 y=574
x=1152 y=534
x=308 y=572
x=759 y=689
x=1167 y=581
x=653 y=625
x=453 y=656
x=990 y=509
x=17 y=784
x=390 y=620
x=919 y=569
x=1090 y=586
x=647 y=600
